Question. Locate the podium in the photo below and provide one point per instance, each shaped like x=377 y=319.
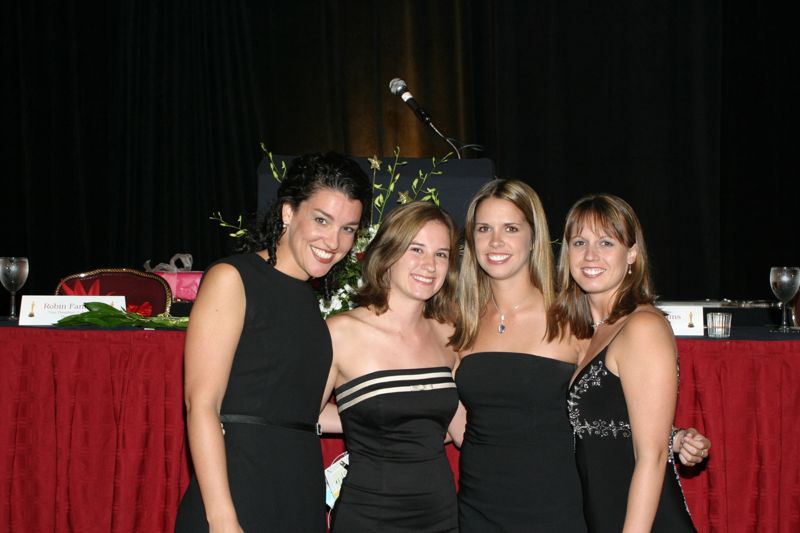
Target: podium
x=459 y=180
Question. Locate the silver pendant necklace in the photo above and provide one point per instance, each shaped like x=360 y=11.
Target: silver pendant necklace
x=596 y=325
x=501 y=327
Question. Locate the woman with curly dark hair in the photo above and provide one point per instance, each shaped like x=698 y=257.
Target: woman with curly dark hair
x=258 y=354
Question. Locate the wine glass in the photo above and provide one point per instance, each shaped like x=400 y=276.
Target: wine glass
x=784 y=282
x=13 y=275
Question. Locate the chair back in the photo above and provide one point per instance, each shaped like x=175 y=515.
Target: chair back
x=145 y=293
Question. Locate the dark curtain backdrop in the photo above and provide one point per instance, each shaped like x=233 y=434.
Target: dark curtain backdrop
x=128 y=123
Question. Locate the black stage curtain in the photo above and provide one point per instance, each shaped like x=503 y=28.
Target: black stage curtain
x=128 y=123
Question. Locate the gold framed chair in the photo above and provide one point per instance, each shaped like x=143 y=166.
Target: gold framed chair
x=145 y=293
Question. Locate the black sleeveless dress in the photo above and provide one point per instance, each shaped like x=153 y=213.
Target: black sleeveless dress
x=604 y=451
x=517 y=471
x=399 y=478
x=274 y=460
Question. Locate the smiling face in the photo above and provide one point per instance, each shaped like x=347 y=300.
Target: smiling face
x=422 y=269
x=598 y=262
x=319 y=233
x=503 y=239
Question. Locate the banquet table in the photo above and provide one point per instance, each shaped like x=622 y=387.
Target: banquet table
x=92 y=436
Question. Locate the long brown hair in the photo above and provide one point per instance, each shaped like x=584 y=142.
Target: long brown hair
x=616 y=217
x=473 y=290
x=390 y=243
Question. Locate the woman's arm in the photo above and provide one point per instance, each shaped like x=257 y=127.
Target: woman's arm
x=214 y=328
x=644 y=355
x=329 y=419
x=458 y=425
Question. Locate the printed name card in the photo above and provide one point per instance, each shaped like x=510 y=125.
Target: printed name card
x=46 y=310
x=686 y=320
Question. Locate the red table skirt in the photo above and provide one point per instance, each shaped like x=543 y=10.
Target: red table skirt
x=92 y=436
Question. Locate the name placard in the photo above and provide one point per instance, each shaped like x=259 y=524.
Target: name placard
x=686 y=320
x=46 y=310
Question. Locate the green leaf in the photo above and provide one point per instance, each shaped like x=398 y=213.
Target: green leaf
x=101 y=307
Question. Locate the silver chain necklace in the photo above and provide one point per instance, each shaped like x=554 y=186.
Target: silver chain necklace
x=501 y=327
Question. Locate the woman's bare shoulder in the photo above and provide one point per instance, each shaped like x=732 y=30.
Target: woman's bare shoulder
x=645 y=332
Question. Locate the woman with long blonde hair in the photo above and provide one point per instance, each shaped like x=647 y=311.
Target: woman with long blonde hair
x=517 y=470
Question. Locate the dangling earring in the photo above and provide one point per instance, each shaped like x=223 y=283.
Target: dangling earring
x=630 y=271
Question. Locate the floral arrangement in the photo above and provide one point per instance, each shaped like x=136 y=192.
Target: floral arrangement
x=384 y=185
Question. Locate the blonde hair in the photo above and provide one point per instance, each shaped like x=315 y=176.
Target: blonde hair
x=570 y=312
x=473 y=290
x=390 y=243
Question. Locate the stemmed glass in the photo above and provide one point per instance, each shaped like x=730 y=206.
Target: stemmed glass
x=784 y=282
x=13 y=275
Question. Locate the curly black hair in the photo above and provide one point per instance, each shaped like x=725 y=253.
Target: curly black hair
x=306 y=175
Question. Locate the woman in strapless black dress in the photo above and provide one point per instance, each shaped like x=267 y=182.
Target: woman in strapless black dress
x=622 y=399
x=517 y=470
x=393 y=375
x=257 y=359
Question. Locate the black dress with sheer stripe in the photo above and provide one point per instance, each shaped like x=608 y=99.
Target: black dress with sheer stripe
x=399 y=478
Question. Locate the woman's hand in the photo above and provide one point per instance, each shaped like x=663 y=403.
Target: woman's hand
x=691 y=447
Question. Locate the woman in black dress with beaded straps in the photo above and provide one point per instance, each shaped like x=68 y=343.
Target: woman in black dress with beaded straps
x=622 y=399
x=257 y=357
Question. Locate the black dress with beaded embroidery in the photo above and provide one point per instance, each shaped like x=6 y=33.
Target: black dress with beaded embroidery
x=399 y=478
x=604 y=452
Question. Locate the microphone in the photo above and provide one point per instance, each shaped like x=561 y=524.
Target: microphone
x=399 y=88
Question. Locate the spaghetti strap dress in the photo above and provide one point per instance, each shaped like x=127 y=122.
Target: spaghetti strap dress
x=399 y=478
x=271 y=407
x=517 y=470
x=604 y=452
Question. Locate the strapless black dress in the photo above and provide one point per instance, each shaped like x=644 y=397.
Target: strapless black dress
x=517 y=471
x=399 y=478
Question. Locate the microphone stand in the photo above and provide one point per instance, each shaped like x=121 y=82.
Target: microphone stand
x=398 y=87
x=453 y=142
